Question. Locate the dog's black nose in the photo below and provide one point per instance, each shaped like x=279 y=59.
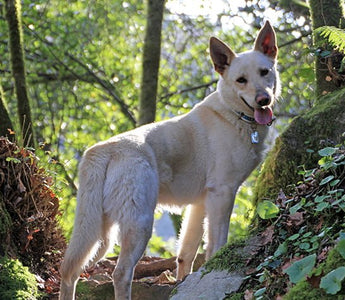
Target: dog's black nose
x=262 y=99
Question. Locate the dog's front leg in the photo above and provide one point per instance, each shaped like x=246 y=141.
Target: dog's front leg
x=219 y=205
x=190 y=238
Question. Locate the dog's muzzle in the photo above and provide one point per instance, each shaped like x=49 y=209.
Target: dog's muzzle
x=263 y=99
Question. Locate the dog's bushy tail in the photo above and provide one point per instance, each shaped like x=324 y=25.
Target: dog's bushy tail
x=87 y=231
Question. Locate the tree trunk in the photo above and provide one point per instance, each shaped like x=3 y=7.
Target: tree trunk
x=151 y=57
x=322 y=126
x=5 y=124
x=13 y=16
x=326 y=13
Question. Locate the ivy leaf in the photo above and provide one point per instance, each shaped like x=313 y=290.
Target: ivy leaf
x=326 y=179
x=267 y=210
x=319 y=199
x=300 y=269
x=260 y=292
x=331 y=282
x=321 y=206
x=328 y=151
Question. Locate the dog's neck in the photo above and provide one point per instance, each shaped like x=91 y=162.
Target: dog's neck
x=253 y=132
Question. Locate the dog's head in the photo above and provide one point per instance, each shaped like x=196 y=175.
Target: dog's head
x=249 y=81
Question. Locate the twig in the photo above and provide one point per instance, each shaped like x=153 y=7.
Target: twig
x=205 y=85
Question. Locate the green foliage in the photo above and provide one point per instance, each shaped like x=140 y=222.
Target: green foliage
x=309 y=222
x=331 y=282
x=16 y=282
x=334 y=35
x=300 y=269
x=305 y=290
x=267 y=210
x=243 y=212
x=159 y=247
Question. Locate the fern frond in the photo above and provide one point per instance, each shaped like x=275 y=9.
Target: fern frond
x=334 y=35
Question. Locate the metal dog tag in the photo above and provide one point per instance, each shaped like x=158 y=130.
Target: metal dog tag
x=254 y=136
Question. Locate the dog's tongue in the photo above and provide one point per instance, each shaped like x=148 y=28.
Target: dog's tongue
x=263 y=116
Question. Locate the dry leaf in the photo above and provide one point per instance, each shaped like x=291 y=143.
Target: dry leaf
x=267 y=235
x=248 y=295
x=296 y=219
x=314 y=280
x=281 y=199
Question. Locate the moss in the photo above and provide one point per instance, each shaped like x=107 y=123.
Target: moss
x=82 y=288
x=304 y=290
x=235 y=296
x=324 y=122
x=334 y=260
x=230 y=257
x=16 y=282
x=87 y=291
x=173 y=292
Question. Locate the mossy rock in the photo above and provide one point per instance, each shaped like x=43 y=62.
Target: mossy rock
x=91 y=290
x=324 y=122
x=234 y=255
x=16 y=282
x=230 y=258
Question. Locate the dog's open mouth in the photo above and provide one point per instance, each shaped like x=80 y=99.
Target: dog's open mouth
x=262 y=115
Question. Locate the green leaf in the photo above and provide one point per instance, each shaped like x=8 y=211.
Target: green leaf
x=294 y=237
x=304 y=246
x=327 y=179
x=334 y=182
x=267 y=210
x=13 y=159
x=319 y=199
x=334 y=35
x=300 y=269
x=331 y=282
x=260 y=292
x=328 y=151
x=282 y=248
x=321 y=206
x=295 y=208
x=341 y=248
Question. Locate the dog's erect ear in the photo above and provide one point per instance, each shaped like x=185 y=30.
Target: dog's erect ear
x=221 y=55
x=266 y=41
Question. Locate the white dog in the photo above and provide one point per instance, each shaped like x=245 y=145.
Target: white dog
x=198 y=159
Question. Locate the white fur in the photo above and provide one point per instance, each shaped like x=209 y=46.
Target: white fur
x=198 y=159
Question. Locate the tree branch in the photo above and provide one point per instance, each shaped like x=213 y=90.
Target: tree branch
x=193 y=88
x=106 y=85
x=124 y=107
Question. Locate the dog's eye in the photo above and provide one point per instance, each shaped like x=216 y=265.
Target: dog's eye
x=241 y=80
x=263 y=72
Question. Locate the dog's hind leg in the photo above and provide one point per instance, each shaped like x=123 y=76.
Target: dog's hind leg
x=130 y=199
x=134 y=239
x=190 y=238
